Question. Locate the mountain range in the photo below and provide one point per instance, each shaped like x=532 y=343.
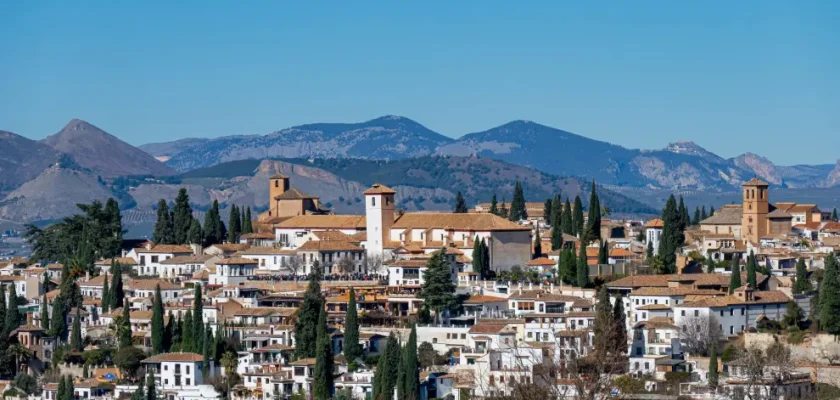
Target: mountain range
x=680 y=165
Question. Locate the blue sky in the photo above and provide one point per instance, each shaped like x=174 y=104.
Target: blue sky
x=758 y=76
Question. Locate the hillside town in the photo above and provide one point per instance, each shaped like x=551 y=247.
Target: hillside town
x=498 y=300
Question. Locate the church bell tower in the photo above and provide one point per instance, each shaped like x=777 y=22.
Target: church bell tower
x=756 y=207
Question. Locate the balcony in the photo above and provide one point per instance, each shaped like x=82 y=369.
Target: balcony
x=411 y=276
x=473 y=351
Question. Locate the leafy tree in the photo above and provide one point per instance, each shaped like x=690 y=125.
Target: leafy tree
x=438 y=290
x=233 y=226
x=751 y=278
x=27 y=383
x=106 y=294
x=195 y=235
x=603 y=257
x=713 y=366
x=76 y=342
x=460 y=204
x=802 y=283
x=494 y=207
x=735 y=278
x=537 y=244
x=577 y=218
x=163 y=233
x=830 y=296
x=323 y=379
x=306 y=333
x=593 y=228
x=157 y=323
x=352 y=348
x=182 y=217
x=128 y=359
x=582 y=267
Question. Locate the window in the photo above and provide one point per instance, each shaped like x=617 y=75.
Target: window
x=731 y=330
x=188 y=371
x=731 y=312
x=696 y=313
x=188 y=381
x=721 y=313
x=373 y=201
x=742 y=312
x=682 y=313
x=434 y=340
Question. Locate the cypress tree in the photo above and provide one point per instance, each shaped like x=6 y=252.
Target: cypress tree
x=410 y=367
x=517 y=205
x=568 y=267
x=566 y=223
x=391 y=366
x=195 y=234
x=582 y=267
x=537 y=244
x=233 y=225
x=620 y=318
x=151 y=393
x=547 y=212
x=834 y=215
x=187 y=338
x=696 y=219
x=352 y=348
x=76 y=337
x=830 y=297
x=554 y=219
x=157 y=322
x=163 y=233
x=182 y=217
x=460 y=204
x=593 y=229
x=125 y=332
x=494 y=206
x=671 y=239
x=713 y=366
x=438 y=289
x=106 y=297
x=577 y=218
x=177 y=333
x=476 y=257
x=248 y=228
x=198 y=320
x=61 y=393
x=205 y=351
x=703 y=214
x=802 y=283
x=682 y=212
x=711 y=211
x=117 y=293
x=401 y=374
x=751 y=278
x=603 y=321
x=735 y=279
x=323 y=379
x=306 y=334
x=168 y=333
x=485 y=259
x=12 y=313
x=503 y=210
x=649 y=252
x=602 y=254
x=45 y=315
x=58 y=324
x=209 y=225
x=139 y=393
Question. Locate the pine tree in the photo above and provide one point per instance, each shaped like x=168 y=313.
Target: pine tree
x=45 y=315
x=577 y=218
x=198 y=320
x=182 y=217
x=517 y=205
x=602 y=254
x=323 y=379
x=113 y=231
x=163 y=233
x=696 y=219
x=306 y=333
x=834 y=215
x=802 y=283
x=410 y=368
x=830 y=297
x=248 y=227
x=460 y=204
x=195 y=234
x=438 y=290
x=735 y=279
x=582 y=279
x=503 y=210
x=703 y=214
x=713 y=366
x=352 y=348
x=566 y=223
x=106 y=297
x=117 y=293
x=620 y=319
x=125 y=330
x=494 y=207
x=12 y=313
x=76 y=337
x=593 y=228
x=710 y=265
x=233 y=226
x=751 y=278
x=157 y=322
x=537 y=244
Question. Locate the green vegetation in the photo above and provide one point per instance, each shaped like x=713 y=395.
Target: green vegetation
x=672 y=235
x=306 y=330
x=438 y=289
x=735 y=277
x=829 y=318
x=352 y=348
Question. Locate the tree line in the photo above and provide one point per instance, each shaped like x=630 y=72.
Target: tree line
x=179 y=226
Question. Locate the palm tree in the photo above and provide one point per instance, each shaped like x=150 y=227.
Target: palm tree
x=229 y=362
x=21 y=354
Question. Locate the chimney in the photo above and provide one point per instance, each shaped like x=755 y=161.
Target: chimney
x=29 y=318
x=148 y=245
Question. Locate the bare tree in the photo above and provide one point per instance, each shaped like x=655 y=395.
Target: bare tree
x=294 y=265
x=698 y=333
x=346 y=265
x=372 y=264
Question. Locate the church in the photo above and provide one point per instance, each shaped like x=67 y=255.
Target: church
x=285 y=201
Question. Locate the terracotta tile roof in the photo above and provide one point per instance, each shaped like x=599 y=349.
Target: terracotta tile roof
x=649 y=307
x=729 y=214
x=755 y=182
x=358 y=237
x=303 y=361
x=474 y=221
x=378 y=188
x=542 y=261
x=487 y=328
x=258 y=235
x=658 y=322
x=801 y=208
x=174 y=357
x=331 y=235
x=96 y=281
x=328 y=245
x=236 y=261
x=411 y=263
x=640 y=281
x=813 y=225
x=779 y=213
x=294 y=194
x=759 y=297
x=655 y=223
x=150 y=284
x=671 y=291
x=482 y=298
x=259 y=251
x=54 y=266
x=265 y=311
x=122 y=260
x=278 y=176
x=191 y=259
x=231 y=247
x=165 y=249
x=619 y=252
x=324 y=222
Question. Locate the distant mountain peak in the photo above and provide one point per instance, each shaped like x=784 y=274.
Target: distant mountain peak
x=688 y=147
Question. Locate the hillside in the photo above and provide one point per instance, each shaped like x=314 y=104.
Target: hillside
x=388 y=137
x=681 y=165
x=103 y=153
x=52 y=195
x=22 y=159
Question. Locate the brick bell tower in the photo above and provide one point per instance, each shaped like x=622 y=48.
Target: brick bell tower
x=278 y=184
x=756 y=207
